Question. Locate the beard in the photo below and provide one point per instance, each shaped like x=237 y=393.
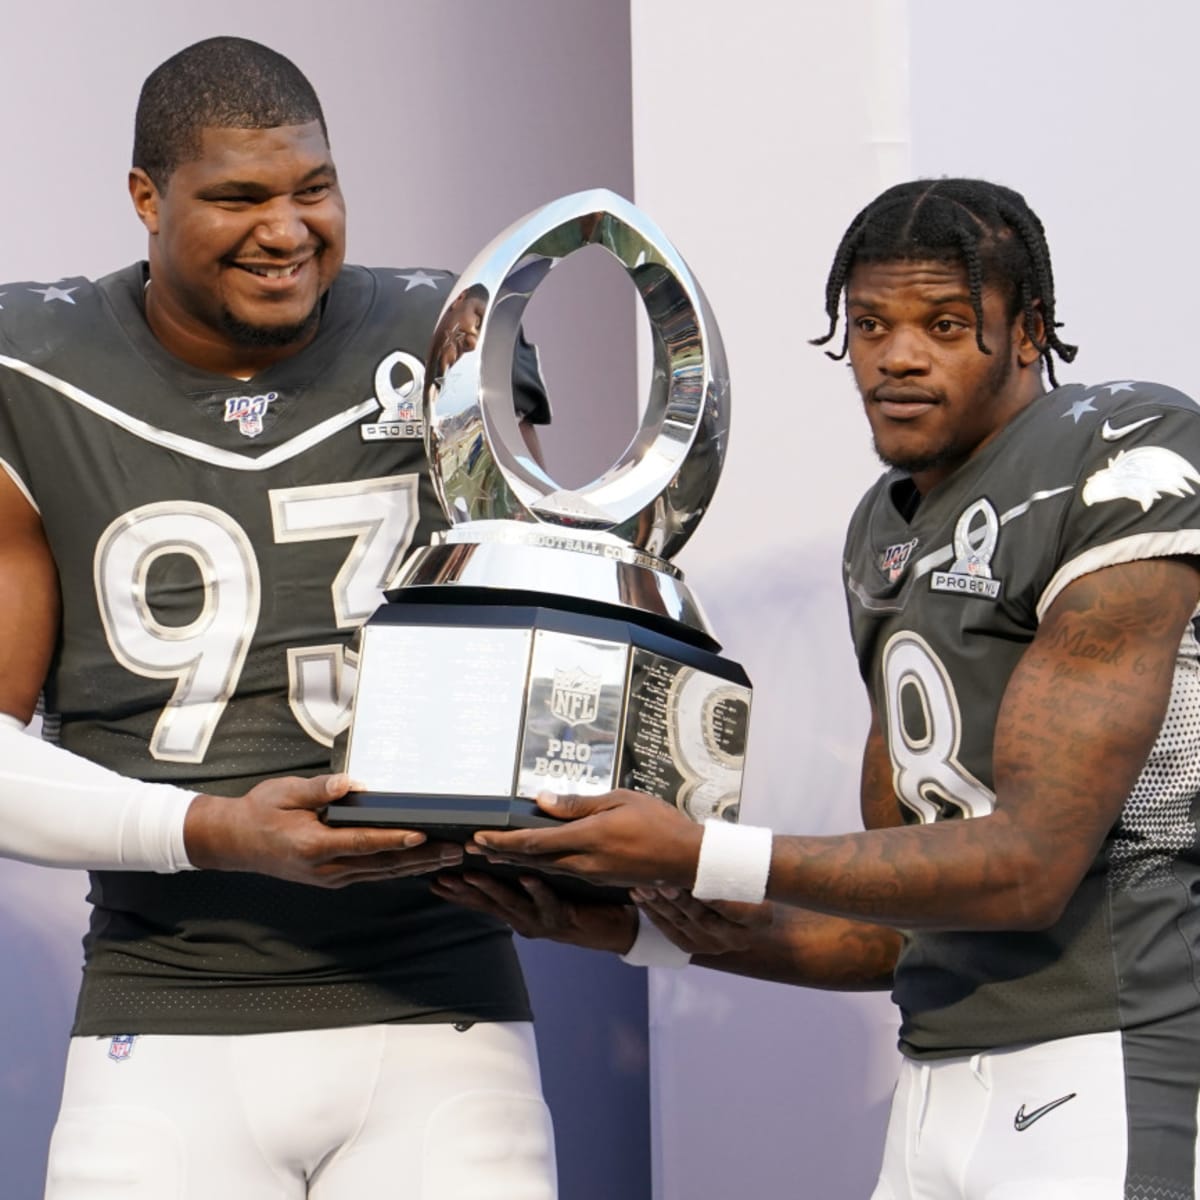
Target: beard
x=954 y=452
x=245 y=334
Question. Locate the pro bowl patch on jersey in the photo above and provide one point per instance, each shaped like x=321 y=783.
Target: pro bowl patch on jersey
x=895 y=558
x=975 y=537
x=401 y=419
x=248 y=412
x=1142 y=475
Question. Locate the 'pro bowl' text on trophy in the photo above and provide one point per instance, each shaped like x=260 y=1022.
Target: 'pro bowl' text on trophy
x=545 y=641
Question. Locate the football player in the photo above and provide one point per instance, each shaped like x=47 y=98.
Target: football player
x=204 y=494
x=1022 y=585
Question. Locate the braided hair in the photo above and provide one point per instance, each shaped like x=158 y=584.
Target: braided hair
x=223 y=83
x=987 y=228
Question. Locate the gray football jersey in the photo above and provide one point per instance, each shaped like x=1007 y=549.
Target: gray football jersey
x=942 y=606
x=218 y=543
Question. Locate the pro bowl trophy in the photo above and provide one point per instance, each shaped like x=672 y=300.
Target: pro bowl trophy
x=545 y=641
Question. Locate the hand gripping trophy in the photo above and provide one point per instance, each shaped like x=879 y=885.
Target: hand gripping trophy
x=545 y=641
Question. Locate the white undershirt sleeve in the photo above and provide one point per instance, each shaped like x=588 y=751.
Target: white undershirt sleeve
x=60 y=810
x=652 y=948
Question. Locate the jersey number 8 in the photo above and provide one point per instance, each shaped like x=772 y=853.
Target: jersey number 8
x=924 y=731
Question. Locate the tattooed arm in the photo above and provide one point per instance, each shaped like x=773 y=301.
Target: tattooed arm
x=1079 y=717
x=795 y=945
x=765 y=941
x=776 y=941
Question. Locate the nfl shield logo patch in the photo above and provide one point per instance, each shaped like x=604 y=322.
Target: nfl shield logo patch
x=121 y=1046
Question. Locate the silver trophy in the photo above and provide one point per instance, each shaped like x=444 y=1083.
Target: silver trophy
x=545 y=641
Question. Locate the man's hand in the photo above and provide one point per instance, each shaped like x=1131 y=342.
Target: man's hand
x=622 y=838
x=535 y=910
x=275 y=829
x=703 y=927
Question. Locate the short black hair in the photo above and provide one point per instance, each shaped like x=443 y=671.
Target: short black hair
x=222 y=83
x=985 y=227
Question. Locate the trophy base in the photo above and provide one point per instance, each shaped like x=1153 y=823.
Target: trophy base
x=443 y=818
x=468 y=705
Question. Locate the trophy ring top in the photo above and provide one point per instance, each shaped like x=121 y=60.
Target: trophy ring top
x=639 y=512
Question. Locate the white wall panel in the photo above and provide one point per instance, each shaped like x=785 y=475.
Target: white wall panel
x=759 y=129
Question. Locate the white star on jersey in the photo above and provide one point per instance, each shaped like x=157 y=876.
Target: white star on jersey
x=1114 y=388
x=419 y=279
x=1079 y=408
x=55 y=293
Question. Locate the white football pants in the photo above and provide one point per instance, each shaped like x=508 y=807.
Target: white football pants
x=374 y=1112
x=1096 y=1117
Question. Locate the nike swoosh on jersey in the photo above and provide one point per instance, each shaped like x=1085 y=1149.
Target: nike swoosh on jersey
x=1112 y=433
x=1023 y=1120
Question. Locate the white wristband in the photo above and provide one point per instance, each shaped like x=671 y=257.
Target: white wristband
x=735 y=861
x=652 y=947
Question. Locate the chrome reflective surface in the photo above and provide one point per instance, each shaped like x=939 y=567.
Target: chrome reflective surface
x=438 y=710
x=654 y=495
x=455 y=713
x=574 y=709
x=685 y=736
x=554 y=571
x=466 y=710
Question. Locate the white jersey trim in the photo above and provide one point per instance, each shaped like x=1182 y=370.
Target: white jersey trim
x=1133 y=548
x=943 y=554
x=214 y=455
x=60 y=810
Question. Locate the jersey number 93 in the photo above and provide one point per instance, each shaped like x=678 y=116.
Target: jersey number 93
x=206 y=655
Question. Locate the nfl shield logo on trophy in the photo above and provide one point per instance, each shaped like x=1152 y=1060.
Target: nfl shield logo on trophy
x=575 y=697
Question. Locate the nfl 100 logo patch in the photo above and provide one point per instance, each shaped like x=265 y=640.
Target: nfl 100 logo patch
x=248 y=412
x=895 y=558
x=121 y=1046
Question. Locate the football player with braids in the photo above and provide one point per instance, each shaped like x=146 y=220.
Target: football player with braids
x=1022 y=585
x=205 y=491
